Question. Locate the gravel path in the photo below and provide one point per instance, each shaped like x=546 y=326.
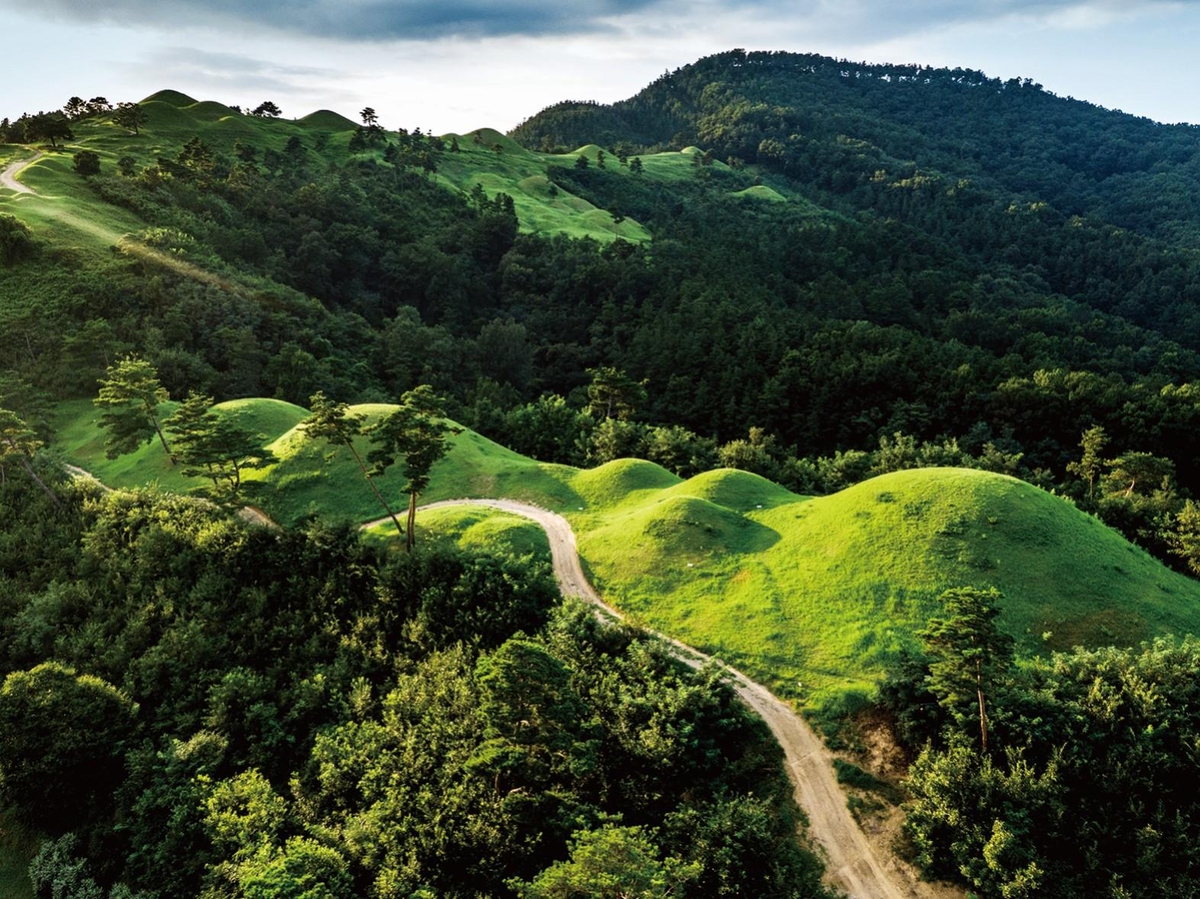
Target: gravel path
x=852 y=863
x=8 y=176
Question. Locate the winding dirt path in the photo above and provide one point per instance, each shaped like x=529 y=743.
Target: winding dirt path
x=852 y=864
x=8 y=177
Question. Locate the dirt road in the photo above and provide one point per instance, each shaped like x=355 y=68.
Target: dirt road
x=852 y=863
x=8 y=177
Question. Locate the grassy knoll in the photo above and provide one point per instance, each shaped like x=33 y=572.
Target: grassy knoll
x=824 y=591
x=316 y=478
x=473 y=527
x=813 y=595
x=81 y=441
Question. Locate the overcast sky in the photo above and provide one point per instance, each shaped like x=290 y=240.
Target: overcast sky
x=455 y=65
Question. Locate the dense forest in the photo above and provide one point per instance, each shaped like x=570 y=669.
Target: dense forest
x=963 y=263
x=197 y=707
x=868 y=268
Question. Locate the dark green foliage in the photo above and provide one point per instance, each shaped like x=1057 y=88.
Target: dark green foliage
x=16 y=240
x=130 y=395
x=612 y=862
x=1093 y=793
x=130 y=116
x=969 y=654
x=214 y=447
x=62 y=741
x=86 y=163
x=416 y=432
x=312 y=721
x=47 y=126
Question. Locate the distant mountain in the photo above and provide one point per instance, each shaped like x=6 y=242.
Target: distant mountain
x=835 y=123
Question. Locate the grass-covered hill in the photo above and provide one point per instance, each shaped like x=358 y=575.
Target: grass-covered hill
x=813 y=595
x=830 y=289
x=483 y=157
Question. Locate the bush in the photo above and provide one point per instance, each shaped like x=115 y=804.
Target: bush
x=16 y=240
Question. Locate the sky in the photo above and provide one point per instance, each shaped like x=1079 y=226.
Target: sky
x=456 y=65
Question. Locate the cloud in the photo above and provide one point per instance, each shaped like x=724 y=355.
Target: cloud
x=354 y=20
x=865 y=22
x=762 y=24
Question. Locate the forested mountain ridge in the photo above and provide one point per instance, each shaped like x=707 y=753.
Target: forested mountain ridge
x=831 y=271
x=851 y=276
x=781 y=110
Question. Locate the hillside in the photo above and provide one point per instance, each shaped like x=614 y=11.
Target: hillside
x=828 y=590
x=820 y=591
x=863 y=279
x=781 y=110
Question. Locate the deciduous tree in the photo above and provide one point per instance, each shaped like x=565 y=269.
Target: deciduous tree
x=86 y=163
x=130 y=116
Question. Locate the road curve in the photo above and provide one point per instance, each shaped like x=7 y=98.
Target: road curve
x=852 y=864
x=8 y=176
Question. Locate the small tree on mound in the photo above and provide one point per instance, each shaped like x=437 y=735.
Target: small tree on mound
x=19 y=441
x=418 y=433
x=130 y=116
x=214 y=447
x=267 y=109
x=130 y=396
x=333 y=423
x=970 y=654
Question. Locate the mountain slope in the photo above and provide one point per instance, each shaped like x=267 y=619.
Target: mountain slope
x=780 y=108
x=822 y=592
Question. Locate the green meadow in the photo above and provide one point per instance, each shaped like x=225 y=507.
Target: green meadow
x=813 y=595
x=485 y=158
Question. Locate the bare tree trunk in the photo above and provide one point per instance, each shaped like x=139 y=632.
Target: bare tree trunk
x=982 y=707
x=412 y=521
x=33 y=474
x=162 y=439
x=371 y=482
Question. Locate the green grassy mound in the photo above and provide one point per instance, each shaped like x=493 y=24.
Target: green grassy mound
x=812 y=595
x=316 y=478
x=621 y=482
x=761 y=192
x=738 y=490
x=825 y=592
x=473 y=527
x=327 y=120
x=170 y=98
x=81 y=441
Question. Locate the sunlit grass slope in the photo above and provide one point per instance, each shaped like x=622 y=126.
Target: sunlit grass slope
x=824 y=591
x=81 y=441
x=66 y=208
x=473 y=527
x=499 y=164
x=315 y=478
x=812 y=595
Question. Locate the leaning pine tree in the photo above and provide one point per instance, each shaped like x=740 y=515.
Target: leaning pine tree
x=130 y=395
x=416 y=432
x=333 y=423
